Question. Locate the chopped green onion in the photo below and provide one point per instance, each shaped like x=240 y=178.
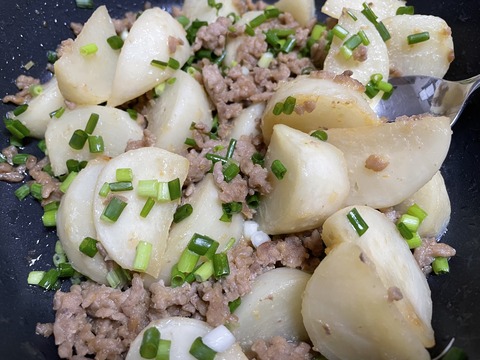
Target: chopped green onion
x=147 y=188
x=418 y=38
x=142 y=256
x=171 y=81
x=59 y=259
x=57 y=113
x=455 y=353
x=385 y=86
x=36 y=190
x=88 y=246
x=65 y=270
x=230 y=170
x=289 y=105
x=369 y=14
x=190 y=142
x=317 y=31
x=113 y=210
x=68 y=181
x=371 y=90
x=133 y=113
x=320 y=135
x=289 y=45
x=104 y=190
x=49 y=218
x=415 y=241
x=84 y=4
x=117 y=277
x=16 y=128
x=258 y=158
x=204 y=271
x=163 y=194
x=353 y=42
x=380 y=26
x=73 y=165
x=35 y=90
x=193 y=29
x=234 y=304
x=253 y=201
x=411 y=222
x=405 y=10
x=187 y=261
x=163 y=352
x=357 y=221
x=340 y=32
x=229 y=209
x=231 y=148
x=201 y=351
x=20 y=109
x=14 y=141
x=52 y=56
x=124 y=174
x=352 y=15
x=177 y=278
x=34 y=277
x=54 y=205
x=201 y=244
x=383 y=31
x=271 y=12
x=147 y=207
x=440 y=266
x=364 y=37
x=220 y=265
x=150 y=340
x=417 y=211
x=249 y=30
x=58 y=245
x=92 y=123
x=159 y=89
x=346 y=52
x=121 y=186
x=257 y=21
x=78 y=139
x=183 y=20
x=88 y=49
x=278 y=169
x=265 y=60
x=171 y=63
x=20 y=159
x=22 y=192
x=215 y=5
x=175 y=189
x=182 y=213
x=115 y=42
x=49 y=279
x=95 y=144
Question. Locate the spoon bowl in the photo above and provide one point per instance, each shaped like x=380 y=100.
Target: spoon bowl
x=414 y=95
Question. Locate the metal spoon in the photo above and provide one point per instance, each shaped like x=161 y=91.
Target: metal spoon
x=415 y=95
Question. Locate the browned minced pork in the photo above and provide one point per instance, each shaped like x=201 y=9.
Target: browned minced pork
x=278 y=348
x=23 y=83
x=213 y=36
x=147 y=140
x=430 y=248
x=95 y=319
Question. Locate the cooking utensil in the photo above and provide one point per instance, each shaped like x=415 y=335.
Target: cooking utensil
x=415 y=95
x=29 y=28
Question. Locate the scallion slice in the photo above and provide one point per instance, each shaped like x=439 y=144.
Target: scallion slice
x=234 y=304
x=440 y=266
x=364 y=37
x=49 y=218
x=220 y=265
x=230 y=170
x=257 y=21
x=289 y=45
x=190 y=142
x=417 y=211
x=231 y=148
x=357 y=221
x=88 y=246
x=229 y=209
x=204 y=271
x=320 y=135
x=84 y=4
x=278 y=169
x=182 y=213
x=418 y=38
x=49 y=279
x=200 y=351
x=59 y=259
x=20 y=159
x=65 y=270
x=92 y=123
x=20 y=109
x=340 y=32
x=177 y=278
x=147 y=207
x=187 y=262
x=411 y=222
x=78 y=139
x=113 y=210
x=68 y=181
x=175 y=189
x=289 y=105
x=35 y=90
x=104 y=190
x=183 y=20
x=89 y=49
x=36 y=190
x=163 y=352
x=73 y=165
x=57 y=113
x=147 y=188
x=201 y=244
x=142 y=256
x=150 y=340
x=22 y=192
x=405 y=10
x=353 y=42
x=115 y=42
x=95 y=144
x=16 y=128
x=163 y=194
x=34 y=277
x=121 y=186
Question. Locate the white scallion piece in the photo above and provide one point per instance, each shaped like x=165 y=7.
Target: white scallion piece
x=258 y=238
x=249 y=228
x=219 y=339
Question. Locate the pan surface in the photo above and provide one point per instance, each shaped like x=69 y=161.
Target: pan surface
x=29 y=28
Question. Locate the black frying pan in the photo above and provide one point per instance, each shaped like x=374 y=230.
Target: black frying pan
x=29 y=28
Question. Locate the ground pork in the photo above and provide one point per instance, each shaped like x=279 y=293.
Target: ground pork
x=278 y=348
x=147 y=140
x=213 y=36
x=430 y=248
x=23 y=83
